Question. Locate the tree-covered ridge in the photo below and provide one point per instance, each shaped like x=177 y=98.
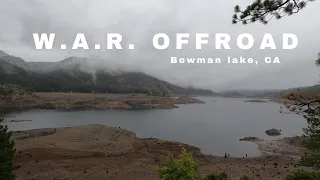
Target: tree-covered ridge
x=272 y=93
x=76 y=80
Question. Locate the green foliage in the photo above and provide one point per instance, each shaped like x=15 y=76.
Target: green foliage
x=184 y=167
x=216 y=176
x=312 y=160
x=313 y=141
x=303 y=175
x=311 y=113
x=309 y=107
x=265 y=10
x=7 y=151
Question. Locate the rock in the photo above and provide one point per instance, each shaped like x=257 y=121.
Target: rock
x=19 y=120
x=273 y=132
x=251 y=139
x=256 y=101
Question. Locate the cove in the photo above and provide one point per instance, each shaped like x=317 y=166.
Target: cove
x=215 y=126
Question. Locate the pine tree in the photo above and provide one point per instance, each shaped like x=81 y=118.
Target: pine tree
x=265 y=10
x=309 y=107
x=7 y=151
x=313 y=142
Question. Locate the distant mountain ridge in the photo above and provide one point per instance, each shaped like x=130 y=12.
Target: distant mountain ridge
x=78 y=75
x=43 y=67
x=253 y=93
x=3 y=54
x=272 y=93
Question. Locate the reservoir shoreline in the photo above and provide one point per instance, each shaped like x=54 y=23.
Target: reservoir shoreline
x=116 y=153
x=82 y=101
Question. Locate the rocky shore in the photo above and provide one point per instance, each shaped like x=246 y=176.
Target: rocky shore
x=74 y=101
x=101 y=152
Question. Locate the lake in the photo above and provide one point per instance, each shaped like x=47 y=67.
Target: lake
x=215 y=126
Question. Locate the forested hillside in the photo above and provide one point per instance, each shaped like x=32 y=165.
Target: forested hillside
x=70 y=75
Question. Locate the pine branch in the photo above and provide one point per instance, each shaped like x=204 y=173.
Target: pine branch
x=265 y=10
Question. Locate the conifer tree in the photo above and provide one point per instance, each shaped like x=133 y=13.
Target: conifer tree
x=265 y=10
x=300 y=103
x=7 y=151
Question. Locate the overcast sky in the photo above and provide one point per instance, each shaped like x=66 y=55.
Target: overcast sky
x=139 y=20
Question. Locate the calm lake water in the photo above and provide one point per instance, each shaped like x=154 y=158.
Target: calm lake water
x=215 y=127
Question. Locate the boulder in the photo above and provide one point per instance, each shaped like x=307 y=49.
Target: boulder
x=273 y=132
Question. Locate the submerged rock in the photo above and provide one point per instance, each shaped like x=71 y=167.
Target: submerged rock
x=256 y=101
x=23 y=120
x=251 y=139
x=273 y=132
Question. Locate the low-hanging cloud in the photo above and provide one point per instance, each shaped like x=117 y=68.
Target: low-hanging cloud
x=138 y=21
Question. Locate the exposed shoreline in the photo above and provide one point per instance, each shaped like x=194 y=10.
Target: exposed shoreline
x=77 y=101
x=96 y=151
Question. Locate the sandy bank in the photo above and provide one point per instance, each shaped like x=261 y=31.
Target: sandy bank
x=72 y=101
x=101 y=152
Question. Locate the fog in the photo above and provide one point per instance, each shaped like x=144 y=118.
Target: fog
x=138 y=21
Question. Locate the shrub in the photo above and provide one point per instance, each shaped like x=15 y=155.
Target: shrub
x=6 y=153
x=184 y=167
x=299 y=175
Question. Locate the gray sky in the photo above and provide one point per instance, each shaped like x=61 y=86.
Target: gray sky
x=139 y=20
